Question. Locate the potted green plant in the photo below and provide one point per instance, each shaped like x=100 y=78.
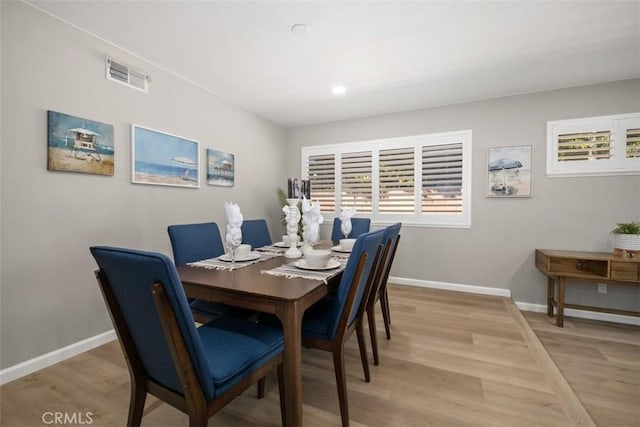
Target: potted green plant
x=626 y=239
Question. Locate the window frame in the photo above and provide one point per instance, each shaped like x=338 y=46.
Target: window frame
x=616 y=164
x=417 y=218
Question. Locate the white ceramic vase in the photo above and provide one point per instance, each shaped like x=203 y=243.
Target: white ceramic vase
x=628 y=242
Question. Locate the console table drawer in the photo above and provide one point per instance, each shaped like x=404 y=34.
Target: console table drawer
x=625 y=271
x=578 y=267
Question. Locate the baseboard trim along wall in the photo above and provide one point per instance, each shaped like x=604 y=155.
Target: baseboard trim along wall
x=583 y=314
x=485 y=290
x=523 y=306
x=29 y=366
x=32 y=365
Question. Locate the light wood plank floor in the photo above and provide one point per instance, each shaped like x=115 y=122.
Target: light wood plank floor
x=454 y=359
x=600 y=361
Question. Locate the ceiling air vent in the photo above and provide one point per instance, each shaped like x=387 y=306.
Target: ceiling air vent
x=121 y=73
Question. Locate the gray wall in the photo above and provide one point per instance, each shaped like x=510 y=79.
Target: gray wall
x=50 y=297
x=564 y=213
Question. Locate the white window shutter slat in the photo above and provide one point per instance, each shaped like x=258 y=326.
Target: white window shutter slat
x=396 y=181
x=355 y=180
x=321 y=173
x=442 y=178
x=632 y=148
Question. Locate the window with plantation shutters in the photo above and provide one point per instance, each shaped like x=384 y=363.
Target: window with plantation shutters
x=355 y=180
x=442 y=178
x=584 y=146
x=396 y=181
x=422 y=180
x=321 y=174
x=633 y=143
x=605 y=145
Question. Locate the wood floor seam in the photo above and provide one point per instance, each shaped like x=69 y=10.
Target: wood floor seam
x=570 y=402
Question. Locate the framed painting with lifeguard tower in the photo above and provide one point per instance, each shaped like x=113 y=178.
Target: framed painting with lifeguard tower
x=79 y=145
x=160 y=158
x=220 y=168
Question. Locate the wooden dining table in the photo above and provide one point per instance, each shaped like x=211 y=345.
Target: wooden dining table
x=287 y=298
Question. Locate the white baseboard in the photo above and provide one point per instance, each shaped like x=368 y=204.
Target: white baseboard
x=485 y=290
x=29 y=366
x=501 y=292
x=32 y=365
x=583 y=314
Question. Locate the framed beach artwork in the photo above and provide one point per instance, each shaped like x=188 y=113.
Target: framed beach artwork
x=160 y=158
x=509 y=171
x=220 y=168
x=81 y=145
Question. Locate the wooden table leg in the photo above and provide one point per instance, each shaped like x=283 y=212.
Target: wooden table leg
x=291 y=317
x=550 y=291
x=560 y=315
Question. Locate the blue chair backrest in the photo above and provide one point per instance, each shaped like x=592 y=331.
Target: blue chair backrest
x=366 y=243
x=194 y=242
x=255 y=232
x=392 y=233
x=130 y=274
x=358 y=226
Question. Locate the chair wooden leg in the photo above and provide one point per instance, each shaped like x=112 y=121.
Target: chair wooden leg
x=371 y=317
x=341 y=382
x=386 y=316
x=261 y=384
x=363 y=351
x=198 y=420
x=136 y=404
x=283 y=408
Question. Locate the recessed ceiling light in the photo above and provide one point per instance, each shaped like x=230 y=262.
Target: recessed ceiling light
x=338 y=90
x=300 y=29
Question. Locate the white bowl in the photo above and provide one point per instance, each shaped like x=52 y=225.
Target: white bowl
x=347 y=244
x=242 y=251
x=317 y=258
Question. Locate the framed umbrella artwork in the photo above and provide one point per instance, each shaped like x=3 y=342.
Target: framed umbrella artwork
x=509 y=171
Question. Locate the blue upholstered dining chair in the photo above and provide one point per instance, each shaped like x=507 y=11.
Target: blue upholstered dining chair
x=195 y=370
x=329 y=323
x=390 y=240
x=255 y=232
x=195 y=242
x=358 y=226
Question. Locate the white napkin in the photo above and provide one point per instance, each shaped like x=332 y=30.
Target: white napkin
x=311 y=219
x=345 y=219
x=234 y=222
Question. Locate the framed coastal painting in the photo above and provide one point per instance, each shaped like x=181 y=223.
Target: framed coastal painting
x=160 y=158
x=220 y=168
x=509 y=171
x=81 y=145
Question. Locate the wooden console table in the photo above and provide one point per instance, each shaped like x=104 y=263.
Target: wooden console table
x=590 y=266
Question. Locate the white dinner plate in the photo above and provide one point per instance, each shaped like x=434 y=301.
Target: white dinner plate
x=330 y=265
x=250 y=257
x=341 y=249
x=285 y=245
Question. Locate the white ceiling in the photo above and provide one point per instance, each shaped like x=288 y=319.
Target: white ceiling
x=391 y=55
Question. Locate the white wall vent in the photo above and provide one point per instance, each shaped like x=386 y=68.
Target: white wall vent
x=122 y=73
